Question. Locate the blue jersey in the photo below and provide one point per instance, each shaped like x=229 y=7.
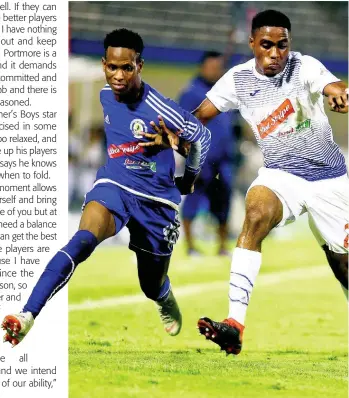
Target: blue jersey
x=147 y=171
x=221 y=127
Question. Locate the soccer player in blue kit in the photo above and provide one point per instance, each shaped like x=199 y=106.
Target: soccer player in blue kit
x=135 y=188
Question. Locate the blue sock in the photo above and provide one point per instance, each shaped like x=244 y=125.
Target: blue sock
x=164 y=290
x=60 y=269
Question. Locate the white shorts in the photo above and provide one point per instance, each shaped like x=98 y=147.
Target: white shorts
x=326 y=201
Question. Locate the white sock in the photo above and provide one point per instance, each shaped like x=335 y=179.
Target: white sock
x=244 y=270
x=345 y=290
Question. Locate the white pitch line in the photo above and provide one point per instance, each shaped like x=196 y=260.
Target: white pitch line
x=273 y=278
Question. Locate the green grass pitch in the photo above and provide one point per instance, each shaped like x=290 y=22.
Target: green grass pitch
x=295 y=340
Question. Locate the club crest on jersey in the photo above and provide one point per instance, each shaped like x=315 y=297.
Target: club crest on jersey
x=138 y=126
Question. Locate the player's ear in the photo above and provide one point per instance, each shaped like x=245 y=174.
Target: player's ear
x=251 y=43
x=104 y=63
x=140 y=64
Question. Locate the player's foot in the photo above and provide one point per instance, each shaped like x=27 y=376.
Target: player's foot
x=227 y=334
x=17 y=326
x=170 y=315
x=193 y=253
x=224 y=253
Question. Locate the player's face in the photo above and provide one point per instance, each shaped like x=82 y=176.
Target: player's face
x=270 y=46
x=213 y=69
x=122 y=71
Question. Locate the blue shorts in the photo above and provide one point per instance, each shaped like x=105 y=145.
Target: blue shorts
x=153 y=226
x=210 y=193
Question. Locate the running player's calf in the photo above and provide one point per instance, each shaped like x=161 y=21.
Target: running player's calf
x=155 y=284
x=96 y=224
x=263 y=212
x=55 y=276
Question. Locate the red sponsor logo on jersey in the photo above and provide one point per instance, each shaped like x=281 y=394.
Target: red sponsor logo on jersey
x=268 y=125
x=129 y=148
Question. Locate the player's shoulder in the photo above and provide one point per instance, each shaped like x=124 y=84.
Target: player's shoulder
x=193 y=85
x=172 y=113
x=309 y=66
x=159 y=99
x=242 y=67
x=240 y=71
x=303 y=59
x=194 y=90
x=106 y=92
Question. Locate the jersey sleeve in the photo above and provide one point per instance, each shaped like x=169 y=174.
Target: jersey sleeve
x=193 y=131
x=199 y=136
x=315 y=74
x=223 y=94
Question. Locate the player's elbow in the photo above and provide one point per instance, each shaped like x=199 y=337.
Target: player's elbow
x=201 y=116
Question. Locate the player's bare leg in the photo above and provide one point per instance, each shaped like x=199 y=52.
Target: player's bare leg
x=187 y=228
x=153 y=279
x=339 y=265
x=263 y=213
x=223 y=233
x=96 y=224
x=98 y=220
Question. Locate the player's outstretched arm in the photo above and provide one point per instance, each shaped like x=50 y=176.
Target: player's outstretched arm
x=206 y=111
x=184 y=129
x=191 y=132
x=166 y=138
x=337 y=94
x=320 y=80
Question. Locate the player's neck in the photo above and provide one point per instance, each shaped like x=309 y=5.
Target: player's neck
x=205 y=81
x=131 y=97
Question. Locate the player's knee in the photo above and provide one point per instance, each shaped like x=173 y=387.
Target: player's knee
x=258 y=220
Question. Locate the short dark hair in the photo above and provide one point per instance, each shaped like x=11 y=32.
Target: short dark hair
x=270 y=18
x=209 y=54
x=126 y=39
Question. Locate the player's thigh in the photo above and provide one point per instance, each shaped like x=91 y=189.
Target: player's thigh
x=207 y=174
x=226 y=171
x=104 y=211
x=328 y=213
x=220 y=198
x=98 y=220
x=221 y=192
x=264 y=207
x=154 y=228
x=277 y=192
x=194 y=203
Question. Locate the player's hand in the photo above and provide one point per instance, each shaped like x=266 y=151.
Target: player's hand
x=183 y=188
x=163 y=136
x=339 y=103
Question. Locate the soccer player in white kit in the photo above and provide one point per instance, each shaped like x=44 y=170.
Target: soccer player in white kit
x=280 y=94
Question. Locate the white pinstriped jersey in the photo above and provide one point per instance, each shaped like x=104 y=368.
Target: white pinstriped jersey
x=286 y=113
